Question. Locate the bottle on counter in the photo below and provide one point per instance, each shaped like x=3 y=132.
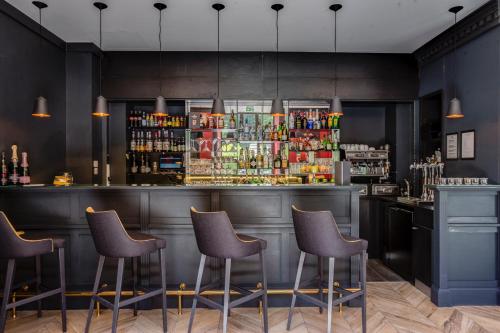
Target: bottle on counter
x=232 y=121
x=284 y=158
x=265 y=159
x=5 y=172
x=13 y=167
x=24 y=178
x=133 y=167
x=253 y=160
x=291 y=121
x=277 y=161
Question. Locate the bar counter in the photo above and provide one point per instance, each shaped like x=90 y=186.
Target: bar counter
x=163 y=211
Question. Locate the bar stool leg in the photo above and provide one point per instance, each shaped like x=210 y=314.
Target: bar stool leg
x=264 y=288
x=38 y=270
x=331 y=266
x=94 y=292
x=227 y=281
x=296 y=288
x=196 y=291
x=163 y=288
x=6 y=292
x=134 y=277
x=363 y=287
x=320 y=282
x=62 y=278
x=118 y=292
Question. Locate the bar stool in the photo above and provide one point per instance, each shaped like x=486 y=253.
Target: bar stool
x=13 y=247
x=317 y=234
x=216 y=238
x=112 y=241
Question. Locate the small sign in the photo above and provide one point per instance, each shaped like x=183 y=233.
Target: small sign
x=452 y=146
x=468 y=151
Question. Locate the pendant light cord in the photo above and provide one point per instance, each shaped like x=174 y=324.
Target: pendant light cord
x=335 y=54
x=100 y=55
x=218 y=53
x=277 y=53
x=40 y=46
x=161 y=64
x=455 y=58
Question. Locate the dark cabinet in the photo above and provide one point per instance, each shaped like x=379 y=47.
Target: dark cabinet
x=398 y=240
x=422 y=246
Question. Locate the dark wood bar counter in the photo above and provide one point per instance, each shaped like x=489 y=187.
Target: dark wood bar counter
x=261 y=211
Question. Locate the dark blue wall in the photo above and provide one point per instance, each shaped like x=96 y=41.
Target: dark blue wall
x=478 y=88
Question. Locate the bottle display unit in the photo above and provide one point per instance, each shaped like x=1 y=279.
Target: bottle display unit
x=249 y=145
x=314 y=141
x=156 y=144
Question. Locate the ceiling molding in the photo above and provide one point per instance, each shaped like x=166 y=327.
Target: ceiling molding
x=480 y=21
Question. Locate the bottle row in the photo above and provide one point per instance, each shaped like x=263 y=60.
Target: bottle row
x=14 y=173
x=145 y=119
x=313 y=120
x=262 y=158
x=146 y=163
x=156 y=141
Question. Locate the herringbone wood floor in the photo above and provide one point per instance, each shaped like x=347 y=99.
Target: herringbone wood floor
x=392 y=307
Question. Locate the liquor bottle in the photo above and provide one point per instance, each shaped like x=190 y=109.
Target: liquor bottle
x=323 y=121
x=310 y=121
x=270 y=160
x=247 y=158
x=335 y=122
x=133 y=143
x=13 y=168
x=133 y=167
x=232 y=121
x=183 y=121
x=24 y=179
x=260 y=159
x=284 y=158
x=142 y=168
x=148 y=167
x=149 y=142
x=5 y=171
x=291 y=121
x=265 y=159
x=241 y=159
x=253 y=160
x=330 y=122
x=277 y=161
x=279 y=132
x=298 y=121
x=166 y=142
x=303 y=121
x=284 y=133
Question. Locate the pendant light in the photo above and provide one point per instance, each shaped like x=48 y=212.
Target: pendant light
x=455 y=107
x=336 y=103
x=218 y=109
x=160 y=106
x=277 y=106
x=101 y=108
x=41 y=109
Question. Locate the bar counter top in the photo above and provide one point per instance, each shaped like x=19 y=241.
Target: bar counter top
x=184 y=187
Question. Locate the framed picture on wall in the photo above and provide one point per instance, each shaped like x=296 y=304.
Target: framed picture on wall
x=468 y=145
x=452 y=146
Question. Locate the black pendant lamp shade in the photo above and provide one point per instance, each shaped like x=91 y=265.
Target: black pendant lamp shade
x=455 y=107
x=218 y=109
x=161 y=104
x=41 y=109
x=101 y=106
x=335 y=103
x=277 y=109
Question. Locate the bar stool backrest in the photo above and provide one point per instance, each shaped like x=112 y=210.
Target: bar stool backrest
x=215 y=235
x=13 y=246
x=317 y=233
x=110 y=237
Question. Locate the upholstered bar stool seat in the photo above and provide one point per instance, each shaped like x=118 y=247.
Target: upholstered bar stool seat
x=113 y=241
x=317 y=233
x=12 y=247
x=216 y=238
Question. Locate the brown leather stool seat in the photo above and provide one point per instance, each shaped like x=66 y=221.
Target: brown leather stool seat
x=113 y=241
x=216 y=238
x=317 y=233
x=12 y=247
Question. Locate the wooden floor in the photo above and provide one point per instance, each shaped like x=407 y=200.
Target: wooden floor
x=392 y=307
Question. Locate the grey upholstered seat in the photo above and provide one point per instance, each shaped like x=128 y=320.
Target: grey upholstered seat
x=317 y=233
x=112 y=240
x=14 y=246
x=216 y=237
